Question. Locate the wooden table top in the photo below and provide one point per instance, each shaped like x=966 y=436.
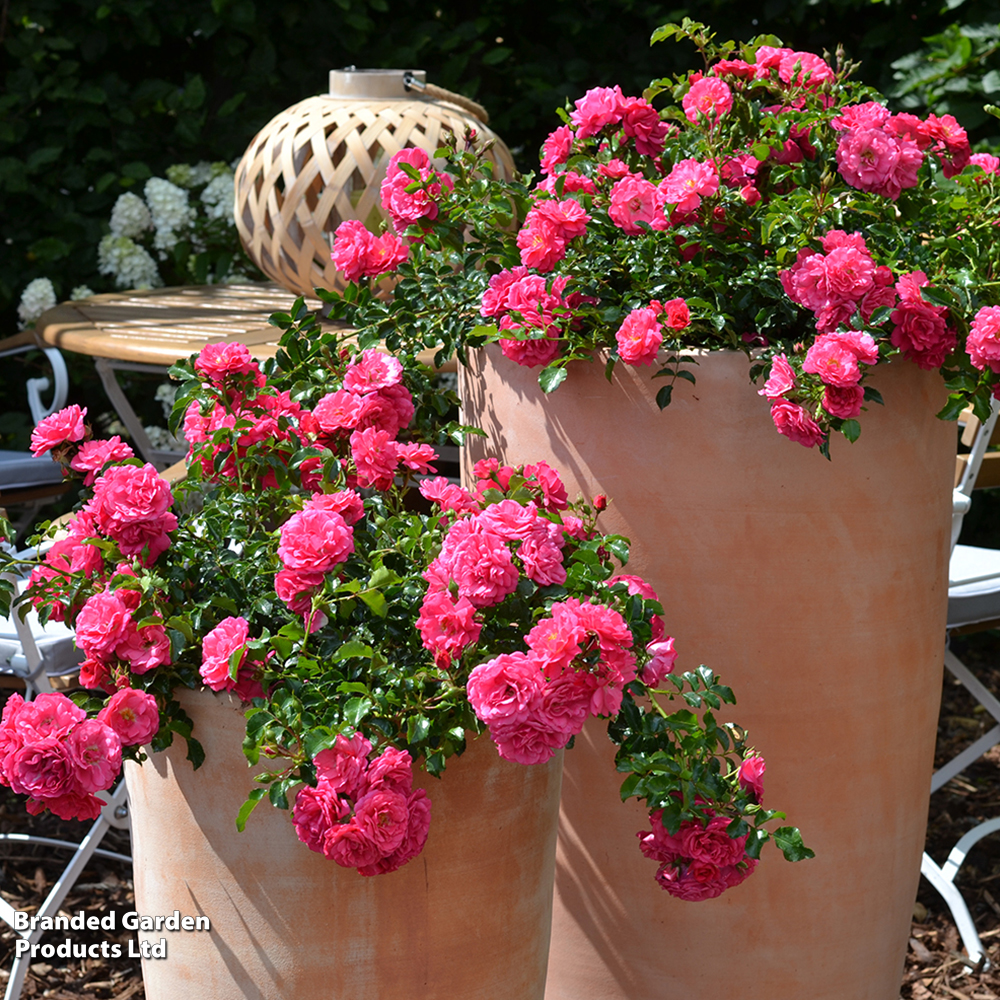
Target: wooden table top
x=159 y=326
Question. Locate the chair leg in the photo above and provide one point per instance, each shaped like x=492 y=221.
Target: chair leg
x=114 y=813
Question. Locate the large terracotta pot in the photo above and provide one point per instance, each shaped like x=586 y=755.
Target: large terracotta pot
x=467 y=918
x=818 y=590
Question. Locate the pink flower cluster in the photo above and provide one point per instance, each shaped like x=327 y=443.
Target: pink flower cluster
x=363 y=814
x=228 y=365
x=51 y=752
x=412 y=207
x=641 y=333
x=372 y=407
x=881 y=152
x=314 y=542
x=131 y=506
x=605 y=106
x=111 y=640
x=921 y=330
x=578 y=661
x=700 y=861
x=71 y=554
x=529 y=305
x=839 y=282
x=360 y=254
x=797 y=69
x=487 y=547
x=548 y=227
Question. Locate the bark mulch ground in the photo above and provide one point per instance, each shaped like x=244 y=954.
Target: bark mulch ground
x=936 y=966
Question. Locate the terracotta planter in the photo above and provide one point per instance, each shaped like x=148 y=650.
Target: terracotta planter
x=817 y=589
x=468 y=918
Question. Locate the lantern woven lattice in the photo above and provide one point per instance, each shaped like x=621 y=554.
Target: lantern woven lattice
x=322 y=162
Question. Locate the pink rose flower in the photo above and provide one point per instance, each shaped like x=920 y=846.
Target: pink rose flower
x=373 y=370
x=144 y=649
x=64 y=427
x=843 y=401
x=344 y=765
x=219 y=362
x=598 y=107
x=347 y=503
x=780 y=380
x=350 y=845
x=641 y=122
x=711 y=843
x=793 y=421
x=217 y=649
x=708 y=98
x=555 y=149
x=391 y=770
x=635 y=200
x=541 y=246
x=409 y=207
x=383 y=815
x=133 y=715
x=804 y=69
x=95 y=752
x=687 y=183
x=447 y=626
x=103 y=622
x=676 y=314
x=751 y=776
x=504 y=688
x=662 y=657
x=296 y=587
x=376 y=456
x=639 y=337
x=94 y=455
x=130 y=505
x=351 y=244
x=531 y=741
x=42 y=769
x=315 y=812
x=833 y=361
x=418 y=825
x=921 y=331
x=983 y=342
x=315 y=540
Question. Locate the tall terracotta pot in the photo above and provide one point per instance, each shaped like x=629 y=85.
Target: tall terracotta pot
x=468 y=918
x=818 y=590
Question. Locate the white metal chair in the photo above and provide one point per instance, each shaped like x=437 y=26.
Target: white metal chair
x=37 y=654
x=25 y=481
x=973 y=604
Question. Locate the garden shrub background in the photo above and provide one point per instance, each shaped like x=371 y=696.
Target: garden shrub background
x=99 y=95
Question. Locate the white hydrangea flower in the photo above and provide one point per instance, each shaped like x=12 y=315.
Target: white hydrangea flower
x=170 y=210
x=130 y=263
x=35 y=299
x=203 y=172
x=81 y=292
x=219 y=197
x=130 y=216
x=162 y=440
x=180 y=174
x=166 y=393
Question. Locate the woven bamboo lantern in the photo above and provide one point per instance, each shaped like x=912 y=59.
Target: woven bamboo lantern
x=322 y=162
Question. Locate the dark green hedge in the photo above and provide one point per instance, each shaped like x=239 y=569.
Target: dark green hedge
x=98 y=95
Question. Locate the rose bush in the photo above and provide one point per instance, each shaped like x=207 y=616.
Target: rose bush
x=370 y=614
x=765 y=203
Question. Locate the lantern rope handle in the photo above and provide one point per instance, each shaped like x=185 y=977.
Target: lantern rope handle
x=410 y=82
